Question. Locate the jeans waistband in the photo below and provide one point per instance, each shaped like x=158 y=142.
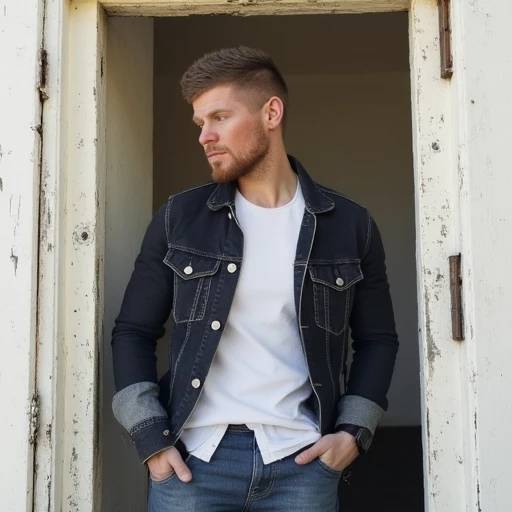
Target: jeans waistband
x=240 y=428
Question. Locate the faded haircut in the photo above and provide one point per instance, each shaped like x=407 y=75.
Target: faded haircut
x=250 y=70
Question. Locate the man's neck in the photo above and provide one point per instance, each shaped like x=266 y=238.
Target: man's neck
x=274 y=186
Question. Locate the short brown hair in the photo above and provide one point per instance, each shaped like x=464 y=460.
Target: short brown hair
x=247 y=68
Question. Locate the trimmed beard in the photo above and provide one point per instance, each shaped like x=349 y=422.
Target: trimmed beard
x=245 y=163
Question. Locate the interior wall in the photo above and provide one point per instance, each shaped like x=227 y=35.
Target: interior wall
x=349 y=123
x=129 y=196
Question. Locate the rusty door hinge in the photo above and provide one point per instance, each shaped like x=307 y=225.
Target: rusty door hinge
x=456 y=298
x=445 y=38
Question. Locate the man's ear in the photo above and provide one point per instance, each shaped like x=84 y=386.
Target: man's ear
x=273 y=112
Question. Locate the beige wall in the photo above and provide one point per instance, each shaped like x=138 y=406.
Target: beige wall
x=128 y=198
x=349 y=124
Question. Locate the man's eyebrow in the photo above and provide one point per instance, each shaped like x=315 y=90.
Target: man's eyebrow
x=196 y=120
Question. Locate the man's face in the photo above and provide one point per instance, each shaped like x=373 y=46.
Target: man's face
x=232 y=132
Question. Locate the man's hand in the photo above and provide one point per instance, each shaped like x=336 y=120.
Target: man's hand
x=164 y=464
x=336 y=450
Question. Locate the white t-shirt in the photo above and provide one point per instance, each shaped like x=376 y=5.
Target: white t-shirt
x=259 y=374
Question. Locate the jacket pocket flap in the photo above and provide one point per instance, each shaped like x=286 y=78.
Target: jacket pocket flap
x=191 y=266
x=338 y=276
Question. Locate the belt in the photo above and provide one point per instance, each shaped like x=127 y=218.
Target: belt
x=239 y=428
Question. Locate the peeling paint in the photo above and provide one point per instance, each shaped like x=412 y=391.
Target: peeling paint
x=432 y=350
x=14 y=260
x=249 y=7
x=34 y=418
x=43 y=77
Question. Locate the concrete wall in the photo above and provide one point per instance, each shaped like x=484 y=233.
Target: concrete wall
x=349 y=124
x=128 y=195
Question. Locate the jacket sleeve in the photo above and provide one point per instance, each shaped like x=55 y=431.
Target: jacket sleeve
x=146 y=306
x=375 y=341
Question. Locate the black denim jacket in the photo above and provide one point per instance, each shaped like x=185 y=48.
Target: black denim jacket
x=340 y=282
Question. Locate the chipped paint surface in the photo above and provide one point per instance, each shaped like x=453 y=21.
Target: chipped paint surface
x=483 y=39
x=20 y=37
x=436 y=223
x=248 y=7
x=83 y=245
x=50 y=376
x=461 y=181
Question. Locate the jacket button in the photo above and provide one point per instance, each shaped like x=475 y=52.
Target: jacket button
x=230 y=216
x=215 y=325
x=340 y=281
x=166 y=432
x=188 y=270
x=231 y=268
x=196 y=383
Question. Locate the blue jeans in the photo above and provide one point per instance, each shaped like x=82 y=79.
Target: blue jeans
x=236 y=480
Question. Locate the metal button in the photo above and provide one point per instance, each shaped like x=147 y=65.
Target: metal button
x=231 y=268
x=230 y=216
x=215 y=325
x=196 y=383
x=166 y=432
x=340 y=281
x=188 y=270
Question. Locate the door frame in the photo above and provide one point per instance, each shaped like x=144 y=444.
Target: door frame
x=70 y=340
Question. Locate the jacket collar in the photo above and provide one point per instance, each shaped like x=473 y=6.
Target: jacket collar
x=316 y=201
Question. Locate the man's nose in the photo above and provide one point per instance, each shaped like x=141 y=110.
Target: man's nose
x=207 y=135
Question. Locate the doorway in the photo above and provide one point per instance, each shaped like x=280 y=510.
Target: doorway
x=350 y=126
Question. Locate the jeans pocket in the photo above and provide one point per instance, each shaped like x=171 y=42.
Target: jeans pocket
x=163 y=480
x=170 y=476
x=328 y=469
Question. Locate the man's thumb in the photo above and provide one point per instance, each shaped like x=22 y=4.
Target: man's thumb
x=307 y=456
x=182 y=472
x=180 y=468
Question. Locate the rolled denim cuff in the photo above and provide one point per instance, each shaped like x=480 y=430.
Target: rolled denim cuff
x=153 y=439
x=140 y=412
x=359 y=411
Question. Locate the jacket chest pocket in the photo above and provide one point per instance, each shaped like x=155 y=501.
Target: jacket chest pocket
x=333 y=284
x=193 y=277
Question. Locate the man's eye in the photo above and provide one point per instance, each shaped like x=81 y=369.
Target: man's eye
x=221 y=118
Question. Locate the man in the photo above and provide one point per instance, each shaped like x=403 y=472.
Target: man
x=264 y=272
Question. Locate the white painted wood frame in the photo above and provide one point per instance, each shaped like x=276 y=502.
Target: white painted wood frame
x=70 y=305
x=20 y=146
x=74 y=289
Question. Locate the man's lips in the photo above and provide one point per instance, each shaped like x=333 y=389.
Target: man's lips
x=214 y=153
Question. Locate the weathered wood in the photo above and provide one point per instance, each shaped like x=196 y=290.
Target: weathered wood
x=248 y=7
x=82 y=192
x=434 y=143
x=20 y=145
x=83 y=245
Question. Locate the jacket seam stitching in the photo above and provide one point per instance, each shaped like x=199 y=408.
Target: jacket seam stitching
x=167 y=216
x=201 y=253
x=368 y=236
x=209 y=184
x=147 y=423
x=334 y=193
